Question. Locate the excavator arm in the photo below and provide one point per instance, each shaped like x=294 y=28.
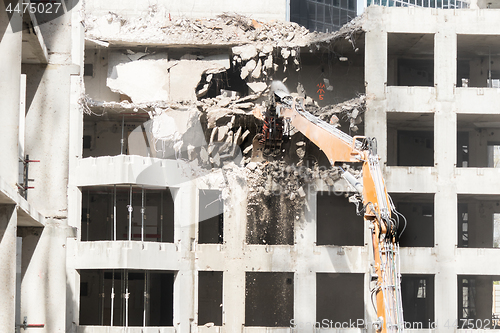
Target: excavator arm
x=377 y=205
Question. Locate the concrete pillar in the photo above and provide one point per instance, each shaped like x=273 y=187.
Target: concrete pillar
x=184 y=236
x=376 y=81
x=10 y=89
x=445 y=64
x=375 y=62
x=446 y=239
x=8 y=233
x=305 y=278
x=234 y=283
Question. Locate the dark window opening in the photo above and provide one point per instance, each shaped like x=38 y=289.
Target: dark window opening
x=479 y=221
x=210 y=298
x=478 y=61
x=477 y=302
x=150 y=217
x=333 y=287
x=410 y=59
x=87 y=142
x=418 y=210
x=211 y=217
x=415 y=148
x=269 y=299
x=410 y=139
x=478 y=141
x=337 y=221
x=417 y=292
x=149 y=301
x=88 y=70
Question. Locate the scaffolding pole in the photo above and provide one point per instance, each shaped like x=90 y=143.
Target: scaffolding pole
x=88 y=214
x=127 y=295
x=142 y=216
x=161 y=216
x=101 y=304
x=114 y=215
x=122 y=141
x=112 y=297
x=130 y=210
x=145 y=301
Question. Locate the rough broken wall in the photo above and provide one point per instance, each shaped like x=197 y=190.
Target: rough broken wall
x=259 y=9
x=142 y=75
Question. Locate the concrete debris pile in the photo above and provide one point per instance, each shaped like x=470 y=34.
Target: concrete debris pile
x=351 y=111
x=159 y=27
x=224 y=144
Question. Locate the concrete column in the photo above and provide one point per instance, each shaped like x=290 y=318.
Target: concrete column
x=44 y=281
x=376 y=81
x=8 y=233
x=445 y=64
x=184 y=236
x=446 y=238
x=233 y=290
x=375 y=62
x=234 y=283
x=305 y=277
x=10 y=89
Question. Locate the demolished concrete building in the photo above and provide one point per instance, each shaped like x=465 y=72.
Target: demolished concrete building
x=143 y=201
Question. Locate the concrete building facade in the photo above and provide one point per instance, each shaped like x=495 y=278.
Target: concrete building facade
x=149 y=212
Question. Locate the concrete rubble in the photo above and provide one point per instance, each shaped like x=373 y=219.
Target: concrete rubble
x=217 y=131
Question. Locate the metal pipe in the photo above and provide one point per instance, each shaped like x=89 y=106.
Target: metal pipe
x=490 y=84
x=161 y=216
x=142 y=216
x=130 y=210
x=114 y=214
x=122 y=141
x=145 y=301
x=88 y=214
x=101 y=305
x=127 y=295
x=122 y=303
x=112 y=296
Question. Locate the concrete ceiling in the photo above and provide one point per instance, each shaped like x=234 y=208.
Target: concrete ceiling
x=410 y=45
x=410 y=120
x=470 y=46
x=473 y=121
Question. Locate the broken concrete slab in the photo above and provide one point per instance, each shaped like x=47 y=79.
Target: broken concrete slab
x=141 y=80
x=246 y=52
x=186 y=75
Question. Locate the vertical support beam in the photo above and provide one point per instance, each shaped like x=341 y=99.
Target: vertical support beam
x=114 y=214
x=446 y=306
x=445 y=64
x=234 y=283
x=8 y=247
x=142 y=215
x=112 y=298
x=184 y=284
x=10 y=87
x=375 y=62
x=130 y=210
x=305 y=280
x=376 y=81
